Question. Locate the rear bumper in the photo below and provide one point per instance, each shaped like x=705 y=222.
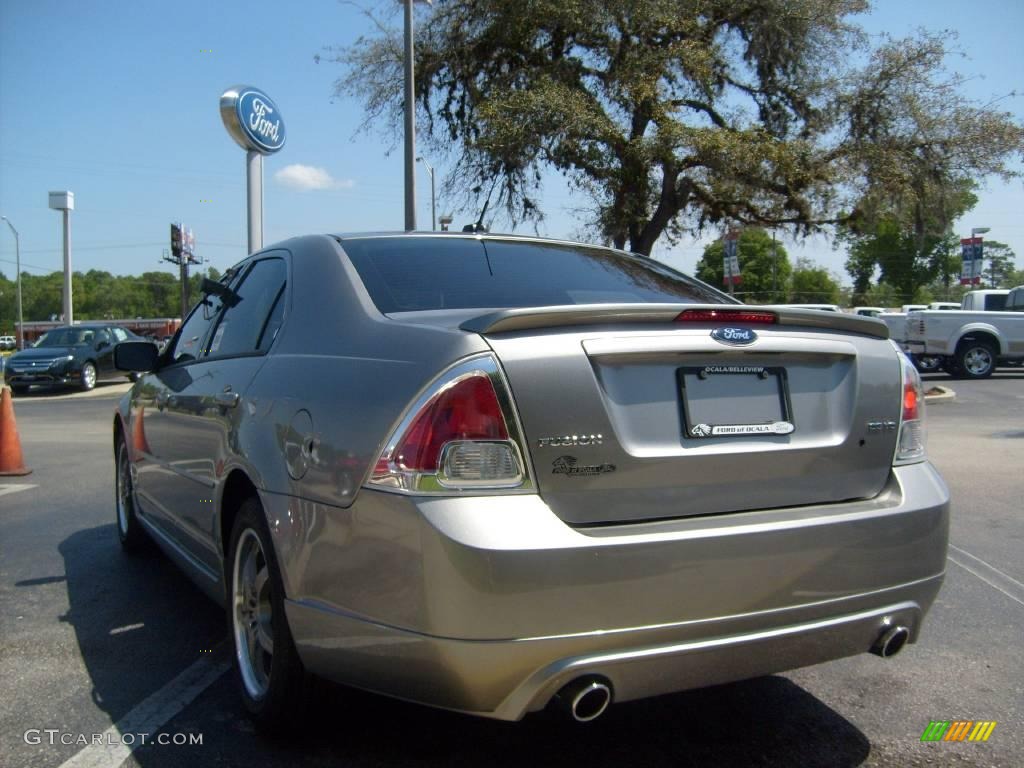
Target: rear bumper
x=490 y=605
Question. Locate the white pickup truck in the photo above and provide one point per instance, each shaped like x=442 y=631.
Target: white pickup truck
x=896 y=322
x=969 y=342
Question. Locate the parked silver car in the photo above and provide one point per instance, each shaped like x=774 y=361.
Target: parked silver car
x=486 y=472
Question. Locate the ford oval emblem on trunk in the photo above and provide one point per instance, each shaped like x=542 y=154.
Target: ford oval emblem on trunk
x=736 y=336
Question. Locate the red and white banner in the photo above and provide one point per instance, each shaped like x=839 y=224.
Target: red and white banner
x=731 y=259
x=973 y=261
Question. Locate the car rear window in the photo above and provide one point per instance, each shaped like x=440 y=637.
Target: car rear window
x=406 y=274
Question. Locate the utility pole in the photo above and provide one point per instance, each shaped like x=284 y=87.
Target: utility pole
x=183 y=243
x=410 y=124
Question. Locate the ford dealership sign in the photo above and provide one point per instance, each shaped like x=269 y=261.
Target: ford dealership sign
x=252 y=119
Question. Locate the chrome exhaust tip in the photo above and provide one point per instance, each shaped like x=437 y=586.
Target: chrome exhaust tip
x=585 y=698
x=891 y=642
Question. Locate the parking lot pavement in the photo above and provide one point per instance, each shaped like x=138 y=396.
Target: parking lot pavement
x=91 y=637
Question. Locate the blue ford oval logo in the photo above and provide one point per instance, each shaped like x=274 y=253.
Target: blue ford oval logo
x=252 y=119
x=737 y=336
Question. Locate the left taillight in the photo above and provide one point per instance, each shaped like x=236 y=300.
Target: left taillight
x=461 y=434
x=910 y=446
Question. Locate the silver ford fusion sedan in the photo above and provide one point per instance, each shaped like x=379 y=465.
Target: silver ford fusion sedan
x=488 y=472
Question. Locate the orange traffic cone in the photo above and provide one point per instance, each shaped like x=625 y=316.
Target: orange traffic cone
x=11 y=460
x=139 y=443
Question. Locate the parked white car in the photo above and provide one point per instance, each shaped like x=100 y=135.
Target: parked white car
x=868 y=311
x=822 y=307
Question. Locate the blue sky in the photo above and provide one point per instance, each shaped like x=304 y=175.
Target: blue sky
x=117 y=102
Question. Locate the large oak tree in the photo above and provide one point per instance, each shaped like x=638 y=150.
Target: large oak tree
x=672 y=115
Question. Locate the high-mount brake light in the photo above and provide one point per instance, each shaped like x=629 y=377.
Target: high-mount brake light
x=459 y=435
x=748 y=316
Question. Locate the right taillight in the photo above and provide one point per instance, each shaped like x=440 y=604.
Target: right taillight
x=910 y=446
x=459 y=435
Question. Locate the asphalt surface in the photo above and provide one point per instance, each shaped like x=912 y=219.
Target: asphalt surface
x=87 y=634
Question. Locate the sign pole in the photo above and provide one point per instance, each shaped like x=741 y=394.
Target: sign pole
x=65 y=202
x=253 y=120
x=254 y=198
x=69 y=313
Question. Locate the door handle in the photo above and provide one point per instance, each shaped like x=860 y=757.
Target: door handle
x=226 y=399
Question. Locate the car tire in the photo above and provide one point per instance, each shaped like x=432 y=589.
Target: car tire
x=88 y=376
x=975 y=359
x=129 y=530
x=274 y=685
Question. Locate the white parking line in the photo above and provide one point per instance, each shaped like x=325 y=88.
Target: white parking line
x=991 y=575
x=147 y=716
x=14 y=488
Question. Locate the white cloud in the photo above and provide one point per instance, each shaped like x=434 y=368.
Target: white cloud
x=298 y=176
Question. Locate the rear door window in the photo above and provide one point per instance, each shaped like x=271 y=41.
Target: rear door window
x=244 y=327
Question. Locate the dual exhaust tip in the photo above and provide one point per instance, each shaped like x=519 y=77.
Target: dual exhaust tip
x=891 y=641
x=587 y=698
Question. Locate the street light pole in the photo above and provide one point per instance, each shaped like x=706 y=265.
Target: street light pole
x=17 y=282
x=410 y=125
x=433 y=195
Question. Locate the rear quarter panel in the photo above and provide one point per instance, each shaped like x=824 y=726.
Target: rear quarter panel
x=337 y=380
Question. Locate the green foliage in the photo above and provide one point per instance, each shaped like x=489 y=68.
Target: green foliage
x=905 y=259
x=764 y=267
x=670 y=115
x=98 y=295
x=881 y=295
x=1000 y=271
x=812 y=284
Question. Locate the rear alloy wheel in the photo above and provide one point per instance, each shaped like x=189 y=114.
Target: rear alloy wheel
x=129 y=530
x=273 y=682
x=975 y=359
x=88 y=376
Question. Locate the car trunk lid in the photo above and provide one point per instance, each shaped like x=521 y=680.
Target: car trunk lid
x=632 y=416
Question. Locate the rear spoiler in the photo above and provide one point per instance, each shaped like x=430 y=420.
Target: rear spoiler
x=531 y=318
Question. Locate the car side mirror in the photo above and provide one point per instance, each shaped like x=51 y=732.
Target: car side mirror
x=138 y=356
